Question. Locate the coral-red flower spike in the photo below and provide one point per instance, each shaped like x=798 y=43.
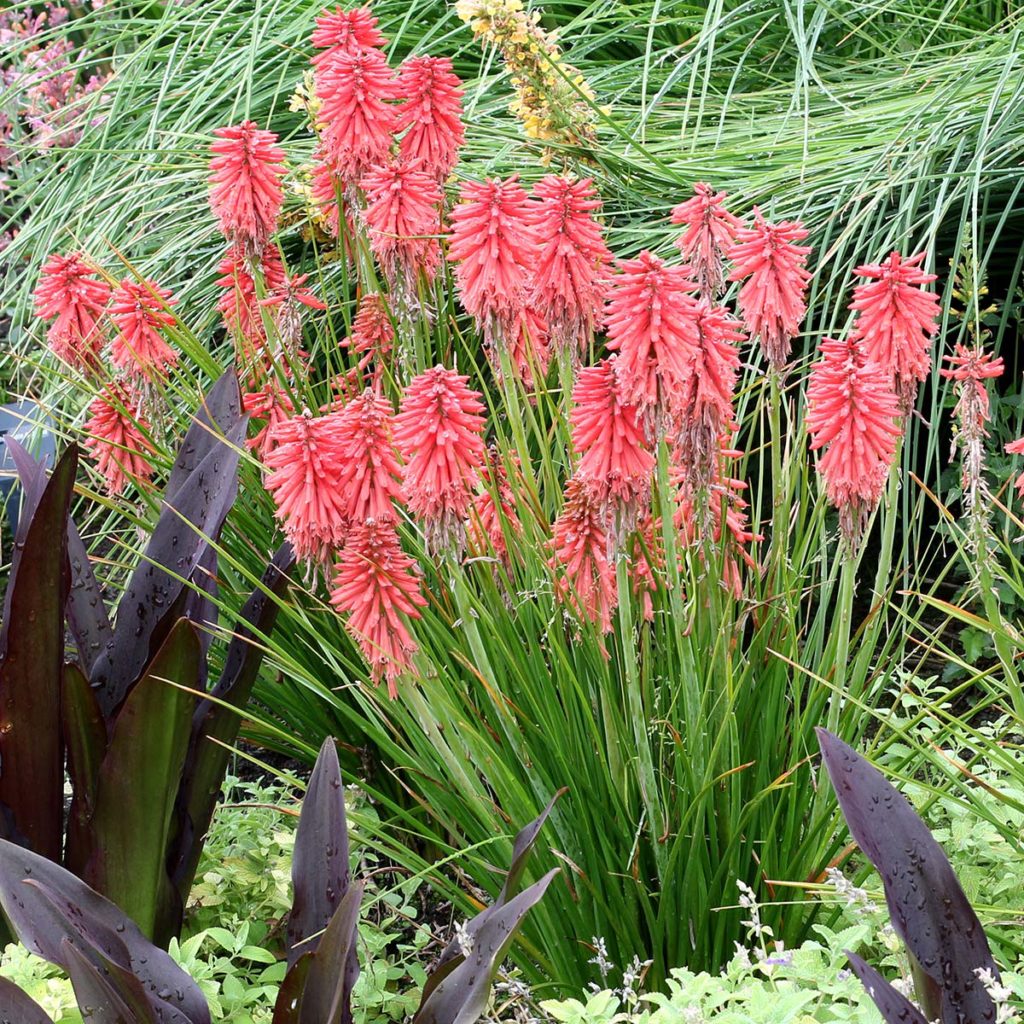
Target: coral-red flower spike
x=772 y=301
x=853 y=414
x=430 y=114
x=371 y=477
x=341 y=31
x=572 y=260
x=273 y=406
x=897 y=319
x=359 y=122
x=239 y=304
x=139 y=310
x=72 y=296
x=115 y=437
x=306 y=462
x=587 y=579
x=709 y=230
x=494 y=247
x=373 y=334
x=246 y=195
x=439 y=434
x=403 y=221
x=373 y=583
x=650 y=322
x=1017 y=448
x=615 y=464
x=494 y=509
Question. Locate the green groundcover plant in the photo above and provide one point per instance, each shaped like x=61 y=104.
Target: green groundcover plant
x=554 y=477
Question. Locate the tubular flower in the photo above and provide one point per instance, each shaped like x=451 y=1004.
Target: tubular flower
x=371 y=477
x=430 y=114
x=287 y=301
x=116 y=440
x=493 y=509
x=572 y=260
x=74 y=299
x=1017 y=448
x=358 y=122
x=650 y=321
x=239 y=305
x=373 y=335
x=528 y=349
x=852 y=414
x=970 y=368
x=373 y=584
x=615 y=465
x=403 y=220
x=704 y=409
x=273 y=405
x=772 y=300
x=438 y=432
x=138 y=310
x=246 y=196
x=306 y=463
x=720 y=510
x=581 y=550
x=493 y=245
x=341 y=31
x=897 y=320
x=709 y=231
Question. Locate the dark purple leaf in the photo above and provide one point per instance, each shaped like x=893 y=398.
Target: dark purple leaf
x=99 y=998
x=18 y=1008
x=460 y=997
x=218 y=416
x=32 y=475
x=85 y=736
x=86 y=612
x=926 y=903
x=215 y=727
x=288 y=1006
x=58 y=906
x=150 y=604
x=31 y=665
x=138 y=785
x=327 y=995
x=894 y=1007
x=320 y=862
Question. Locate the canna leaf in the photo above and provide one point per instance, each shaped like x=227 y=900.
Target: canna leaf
x=56 y=906
x=85 y=736
x=150 y=603
x=31 y=665
x=460 y=997
x=17 y=1008
x=99 y=998
x=894 y=1007
x=288 y=1005
x=138 y=784
x=207 y=760
x=320 y=863
x=928 y=907
x=86 y=613
x=327 y=995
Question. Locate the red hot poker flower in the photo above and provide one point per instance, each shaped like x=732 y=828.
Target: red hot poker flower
x=341 y=31
x=430 y=114
x=371 y=478
x=306 y=463
x=572 y=259
x=139 y=310
x=650 y=321
x=494 y=509
x=615 y=464
x=373 y=583
x=403 y=220
x=528 y=349
x=493 y=245
x=897 y=319
x=709 y=231
x=1017 y=448
x=373 y=334
x=273 y=405
x=116 y=440
x=439 y=434
x=772 y=300
x=69 y=294
x=581 y=551
x=852 y=414
x=704 y=409
x=246 y=195
x=359 y=123
x=239 y=304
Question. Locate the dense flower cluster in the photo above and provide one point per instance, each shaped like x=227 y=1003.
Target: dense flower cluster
x=70 y=294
